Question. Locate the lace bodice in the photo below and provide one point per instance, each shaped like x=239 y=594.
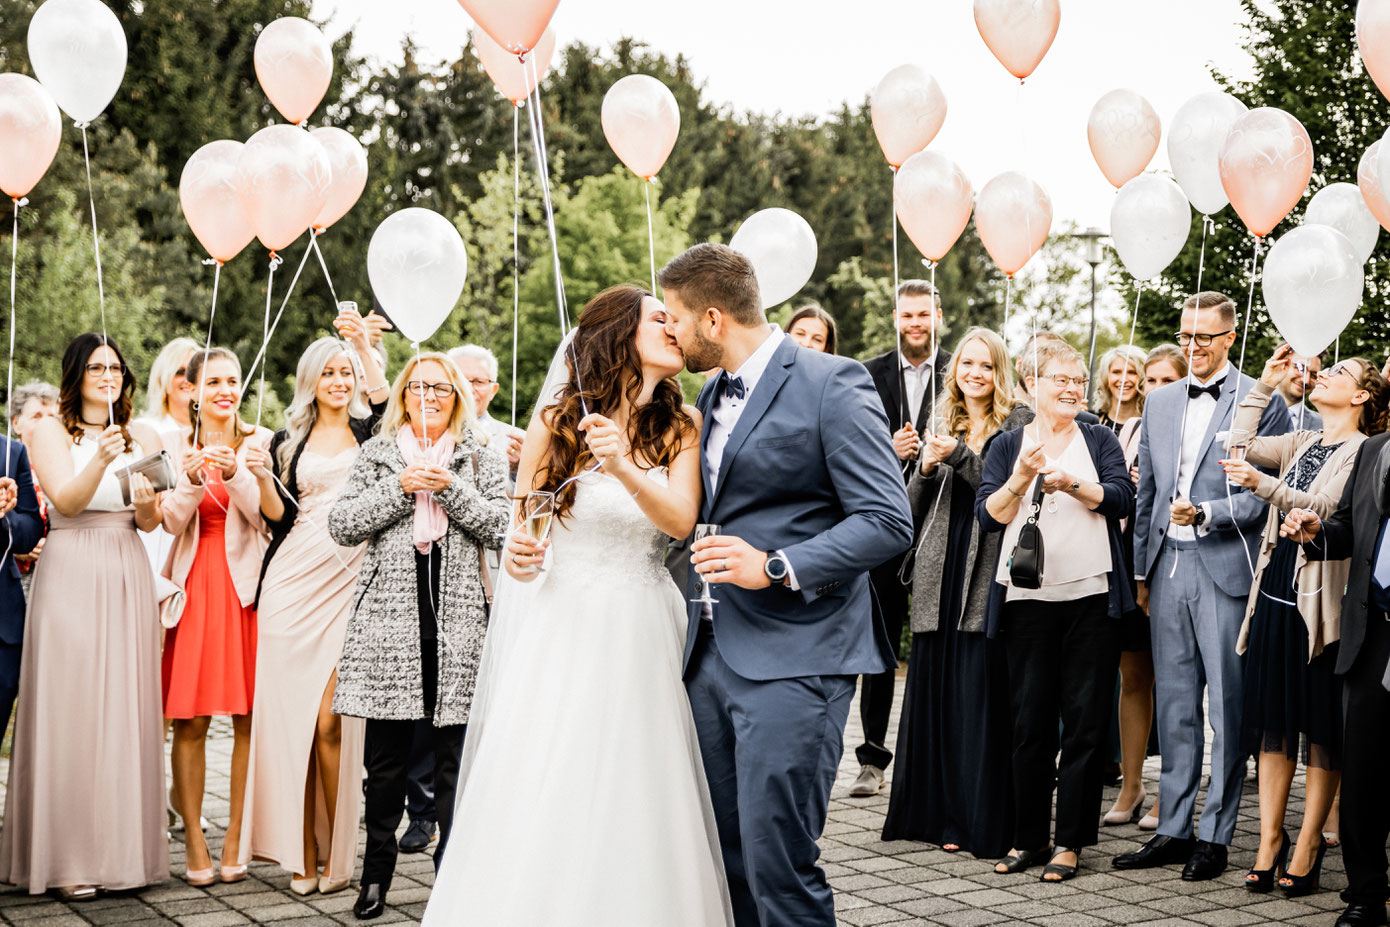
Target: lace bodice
x=605 y=538
x=320 y=479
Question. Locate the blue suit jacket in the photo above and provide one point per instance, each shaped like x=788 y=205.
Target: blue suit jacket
x=1237 y=515
x=23 y=527
x=806 y=471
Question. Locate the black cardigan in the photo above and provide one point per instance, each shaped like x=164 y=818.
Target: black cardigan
x=362 y=429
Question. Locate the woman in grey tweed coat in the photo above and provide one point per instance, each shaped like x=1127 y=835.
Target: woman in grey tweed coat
x=951 y=786
x=425 y=507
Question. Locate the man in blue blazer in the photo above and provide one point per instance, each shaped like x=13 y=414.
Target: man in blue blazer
x=23 y=527
x=1195 y=540
x=809 y=498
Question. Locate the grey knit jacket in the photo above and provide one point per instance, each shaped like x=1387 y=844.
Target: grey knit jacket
x=930 y=497
x=379 y=673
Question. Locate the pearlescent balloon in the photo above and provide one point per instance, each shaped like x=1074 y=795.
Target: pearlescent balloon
x=1149 y=224
x=78 y=50
x=783 y=250
x=1313 y=280
x=1341 y=206
x=1195 y=136
x=417 y=264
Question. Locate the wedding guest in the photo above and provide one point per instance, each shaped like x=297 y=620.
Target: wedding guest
x=1301 y=376
x=1062 y=637
x=209 y=665
x=1118 y=398
x=479 y=368
x=32 y=403
x=905 y=378
x=1164 y=364
x=1193 y=537
x=427 y=497
x=21 y=515
x=1023 y=367
x=169 y=392
x=951 y=786
x=1291 y=627
x=84 y=809
x=812 y=327
x=302 y=608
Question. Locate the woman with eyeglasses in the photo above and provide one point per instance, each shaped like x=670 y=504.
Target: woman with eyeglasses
x=1292 y=622
x=1061 y=630
x=84 y=810
x=302 y=800
x=427 y=498
x=1119 y=399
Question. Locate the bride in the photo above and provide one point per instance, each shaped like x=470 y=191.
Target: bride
x=581 y=796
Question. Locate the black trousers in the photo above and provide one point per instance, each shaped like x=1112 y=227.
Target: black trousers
x=388 y=761
x=1062 y=657
x=876 y=691
x=1365 y=755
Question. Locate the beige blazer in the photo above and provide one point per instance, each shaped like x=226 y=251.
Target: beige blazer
x=1320 y=583
x=247 y=536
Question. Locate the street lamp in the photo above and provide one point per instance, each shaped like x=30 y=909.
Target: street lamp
x=1094 y=255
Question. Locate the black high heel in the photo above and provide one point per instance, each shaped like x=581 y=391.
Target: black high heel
x=1261 y=881
x=1295 y=886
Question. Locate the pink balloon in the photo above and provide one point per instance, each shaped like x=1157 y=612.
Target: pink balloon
x=933 y=198
x=1124 y=132
x=1373 y=40
x=30 y=130
x=641 y=120
x=294 y=64
x=283 y=176
x=348 y=163
x=1018 y=32
x=211 y=203
x=516 y=25
x=1266 y=162
x=1368 y=181
x=908 y=109
x=514 y=78
x=1013 y=216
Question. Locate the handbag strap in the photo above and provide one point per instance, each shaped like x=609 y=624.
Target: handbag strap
x=482 y=557
x=1035 y=502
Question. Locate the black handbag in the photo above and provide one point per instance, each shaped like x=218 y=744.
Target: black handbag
x=1026 y=562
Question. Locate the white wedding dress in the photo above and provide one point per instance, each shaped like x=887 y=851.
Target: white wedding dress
x=581 y=798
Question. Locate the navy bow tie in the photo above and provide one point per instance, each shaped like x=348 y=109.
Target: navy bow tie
x=1211 y=389
x=733 y=388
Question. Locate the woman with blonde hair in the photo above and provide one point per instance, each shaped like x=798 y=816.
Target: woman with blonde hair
x=1118 y=398
x=427 y=498
x=952 y=783
x=169 y=391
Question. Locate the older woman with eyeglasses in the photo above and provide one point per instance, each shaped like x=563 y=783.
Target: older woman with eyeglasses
x=1060 y=627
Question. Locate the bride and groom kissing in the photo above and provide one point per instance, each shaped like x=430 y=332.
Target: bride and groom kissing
x=633 y=758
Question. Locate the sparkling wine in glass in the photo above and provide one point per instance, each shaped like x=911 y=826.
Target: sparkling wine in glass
x=211 y=438
x=706 y=531
x=538 y=512
x=1238 y=451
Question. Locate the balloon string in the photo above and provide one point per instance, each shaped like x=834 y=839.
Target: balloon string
x=897 y=326
x=1337 y=352
x=265 y=327
x=1008 y=302
x=935 y=386
x=1192 y=345
x=96 y=245
x=543 y=169
x=1134 y=321
x=651 y=237
x=18 y=201
x=207 y=349
x=314 y=244
x=516 y=246
x=260 y=356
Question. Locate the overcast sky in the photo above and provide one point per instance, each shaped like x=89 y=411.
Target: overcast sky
x=809 y=56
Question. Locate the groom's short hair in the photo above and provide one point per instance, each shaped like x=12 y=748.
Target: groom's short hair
x=718 y=276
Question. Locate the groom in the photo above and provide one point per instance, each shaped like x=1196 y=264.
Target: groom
x=800 y=475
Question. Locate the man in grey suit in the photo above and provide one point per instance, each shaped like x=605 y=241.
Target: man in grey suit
x=809 y=497
x=1194 y=543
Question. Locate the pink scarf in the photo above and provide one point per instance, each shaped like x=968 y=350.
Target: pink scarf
x=430 y=519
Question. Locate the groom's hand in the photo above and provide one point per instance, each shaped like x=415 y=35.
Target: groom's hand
x=724 y=558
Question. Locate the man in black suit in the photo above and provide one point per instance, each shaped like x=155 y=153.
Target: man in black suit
x=907 y=379
x=1359 y=529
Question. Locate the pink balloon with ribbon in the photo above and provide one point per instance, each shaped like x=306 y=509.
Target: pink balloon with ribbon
x=641 y=121
x=933 y=197
x=348 y=164
x=283 y=178
x=516 y=25
x=1368 y=182
x=1373 y=40
x=1018 y=32
x=1013 y=215
x=907 y=108
x=514 y=78
x=211 y=202
x=1266 y=163
x=1123 y=131
x=31 y=129
x=294 y=64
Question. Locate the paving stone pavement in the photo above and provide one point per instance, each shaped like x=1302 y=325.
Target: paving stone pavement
x=876 y=883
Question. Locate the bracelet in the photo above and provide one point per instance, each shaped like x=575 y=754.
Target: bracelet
x=1011 y=491
x=377 y=389
x=637 y=493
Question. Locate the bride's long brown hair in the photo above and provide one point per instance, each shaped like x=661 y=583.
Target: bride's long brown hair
x=610 y=368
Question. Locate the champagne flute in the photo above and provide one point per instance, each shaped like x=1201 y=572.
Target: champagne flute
x=538 y=511
x=211 y=438
x=701 y=532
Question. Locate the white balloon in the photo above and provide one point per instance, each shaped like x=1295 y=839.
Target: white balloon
x=1199 y=128
x=417 y=265
x=782 y=247
x=1149 y=224
x=1340 y=206
x=1313 y=280
x=78 y=50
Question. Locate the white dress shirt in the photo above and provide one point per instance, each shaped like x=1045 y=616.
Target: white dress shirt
x=1199 y=413
x=726 y=409
x=917 y=381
